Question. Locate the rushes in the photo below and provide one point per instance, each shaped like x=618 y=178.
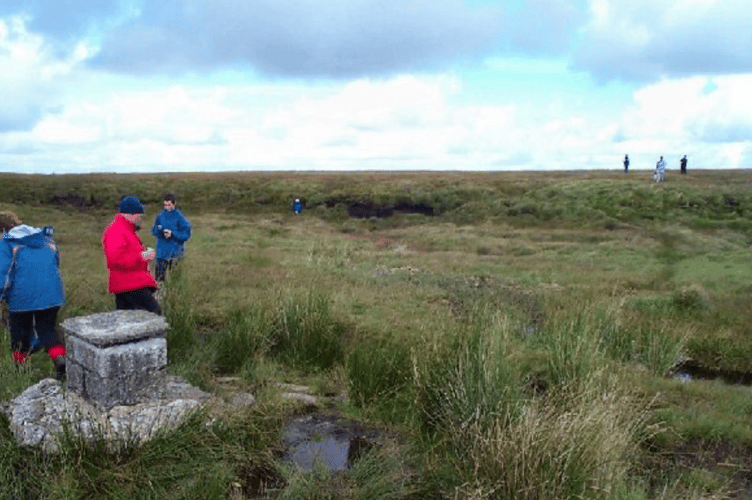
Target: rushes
x=294 y=327
x=179 y=313
x=578 y=439
x=245 y=336
x=305 y=334
x=377 y=370
x=300 y=331
x=574 y=444
x=574 y=347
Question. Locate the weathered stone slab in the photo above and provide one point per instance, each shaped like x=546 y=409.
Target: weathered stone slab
x=115 y=327
x=39 y=415
x=130 y=389
x=114 y=361
x=74 y=377
x=116 y=358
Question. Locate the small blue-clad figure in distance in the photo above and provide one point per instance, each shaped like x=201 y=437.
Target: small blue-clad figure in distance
x=297 y=207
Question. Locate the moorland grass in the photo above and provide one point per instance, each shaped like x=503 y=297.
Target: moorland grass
x=522 y=339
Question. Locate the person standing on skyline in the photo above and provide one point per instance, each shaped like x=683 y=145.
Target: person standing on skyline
x=683 y=164
x=626 y=163
x=660 y=170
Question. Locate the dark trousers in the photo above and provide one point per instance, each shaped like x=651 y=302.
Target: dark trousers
x=143 y=298
x=23 y=324
x=162 y=266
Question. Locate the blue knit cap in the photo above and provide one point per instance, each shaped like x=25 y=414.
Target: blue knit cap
x=131 y=205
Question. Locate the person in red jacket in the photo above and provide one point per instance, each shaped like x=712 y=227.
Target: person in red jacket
x=128 y=261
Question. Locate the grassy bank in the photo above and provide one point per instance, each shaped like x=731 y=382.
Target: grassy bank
x=519 y=331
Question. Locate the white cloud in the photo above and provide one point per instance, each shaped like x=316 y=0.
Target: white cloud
x=55 y=130
x=725 y=114
x=406 y=122
x=30 y=74
x=365 y=120
x=712 y=124
x=647 y=39
x=683 y=110
x=21 y=64
x=515 y=112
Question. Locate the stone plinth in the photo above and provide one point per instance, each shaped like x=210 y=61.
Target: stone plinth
x=116 y=358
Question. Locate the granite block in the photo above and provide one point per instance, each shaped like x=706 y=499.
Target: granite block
x=115 y=327
x=120 y=360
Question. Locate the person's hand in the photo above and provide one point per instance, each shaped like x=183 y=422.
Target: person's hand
x=167 y=233
x=148 y=254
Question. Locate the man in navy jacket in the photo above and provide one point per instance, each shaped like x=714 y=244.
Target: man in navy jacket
x=172 y=230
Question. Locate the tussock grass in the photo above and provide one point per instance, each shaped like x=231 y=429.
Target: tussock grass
x=521 y=338
x=305 y=334
x=377 y=370
x=385 y=472
x=179 y=313
x=15 y=380
x=579 y=439
x=246 y=335
x=577 y=444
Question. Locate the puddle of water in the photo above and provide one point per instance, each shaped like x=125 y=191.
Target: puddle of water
x=689 y=371
x=316 y=441
x=330 y=453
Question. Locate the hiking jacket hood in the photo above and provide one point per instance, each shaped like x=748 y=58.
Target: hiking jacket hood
x=30 y=270
x=172 y=247
x=122 y=250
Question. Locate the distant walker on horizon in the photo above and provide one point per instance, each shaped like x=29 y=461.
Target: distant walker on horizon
x=660 y=170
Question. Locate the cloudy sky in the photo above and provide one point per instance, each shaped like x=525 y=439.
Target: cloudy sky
x=224 y=85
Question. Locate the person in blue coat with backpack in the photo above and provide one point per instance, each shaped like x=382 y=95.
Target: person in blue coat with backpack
x=172 y=230
x=31 y=284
